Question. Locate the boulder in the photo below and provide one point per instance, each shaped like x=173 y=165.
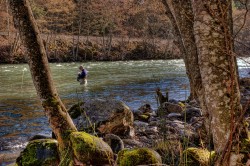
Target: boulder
x=107 y=116
x=140 y=156
x=89 y=149
x=39 y=152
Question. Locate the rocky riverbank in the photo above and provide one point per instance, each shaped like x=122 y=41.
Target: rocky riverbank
x=164 y=135
x=64 y=48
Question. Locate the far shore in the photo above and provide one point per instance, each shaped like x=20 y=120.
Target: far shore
x=67 y=48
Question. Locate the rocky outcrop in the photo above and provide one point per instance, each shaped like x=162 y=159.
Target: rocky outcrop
x=89 y=149
x=107 y=117
x=39 y=152
x=139 y=156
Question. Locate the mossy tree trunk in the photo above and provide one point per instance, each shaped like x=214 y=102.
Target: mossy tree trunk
x=214 y=41
x=59 y=119
x=204 y=32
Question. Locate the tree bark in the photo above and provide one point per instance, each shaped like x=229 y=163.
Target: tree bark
x=182 y=20
x=59 y=119
x=218 y=69
x=205 y=37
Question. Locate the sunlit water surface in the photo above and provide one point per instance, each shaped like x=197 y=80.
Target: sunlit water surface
x=133 y=82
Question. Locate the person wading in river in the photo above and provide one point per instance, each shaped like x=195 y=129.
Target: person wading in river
x=82 y=76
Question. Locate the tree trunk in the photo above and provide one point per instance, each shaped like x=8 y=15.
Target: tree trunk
x=59 y=119
x=182 y=19
x=182 y=22
x=219 y=74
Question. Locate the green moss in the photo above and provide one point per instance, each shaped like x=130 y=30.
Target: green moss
x=196 y=156
x=138 y=157
x=88 y=148
x=39 y=152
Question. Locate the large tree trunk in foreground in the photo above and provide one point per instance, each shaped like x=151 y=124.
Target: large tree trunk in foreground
x=59 y=119
x=217 y=62
x=204 y=33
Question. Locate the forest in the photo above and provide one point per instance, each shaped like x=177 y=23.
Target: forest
x=209 y=126
x=107 y=31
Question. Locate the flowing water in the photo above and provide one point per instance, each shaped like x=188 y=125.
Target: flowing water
x=133 y=82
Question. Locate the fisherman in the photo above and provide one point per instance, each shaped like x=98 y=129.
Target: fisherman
x=82 y=76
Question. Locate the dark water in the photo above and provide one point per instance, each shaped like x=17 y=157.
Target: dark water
x=133 y=82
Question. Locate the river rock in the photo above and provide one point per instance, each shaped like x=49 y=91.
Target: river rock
x=107 y=116
x=190 y=113
x=152 y=130
x=89 y=149
x=139 y=156
x=115 y=142
x=174 y=116
x=167 y=108
x=39 y=152
x=132 y=143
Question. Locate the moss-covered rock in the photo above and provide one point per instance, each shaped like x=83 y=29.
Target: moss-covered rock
x=39 y=152
x=196 y=156
x=89 y=149
x=140 y=156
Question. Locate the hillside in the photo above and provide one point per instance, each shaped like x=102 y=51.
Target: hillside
x=142 y=21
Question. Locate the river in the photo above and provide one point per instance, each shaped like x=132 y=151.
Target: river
x=133 y=82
